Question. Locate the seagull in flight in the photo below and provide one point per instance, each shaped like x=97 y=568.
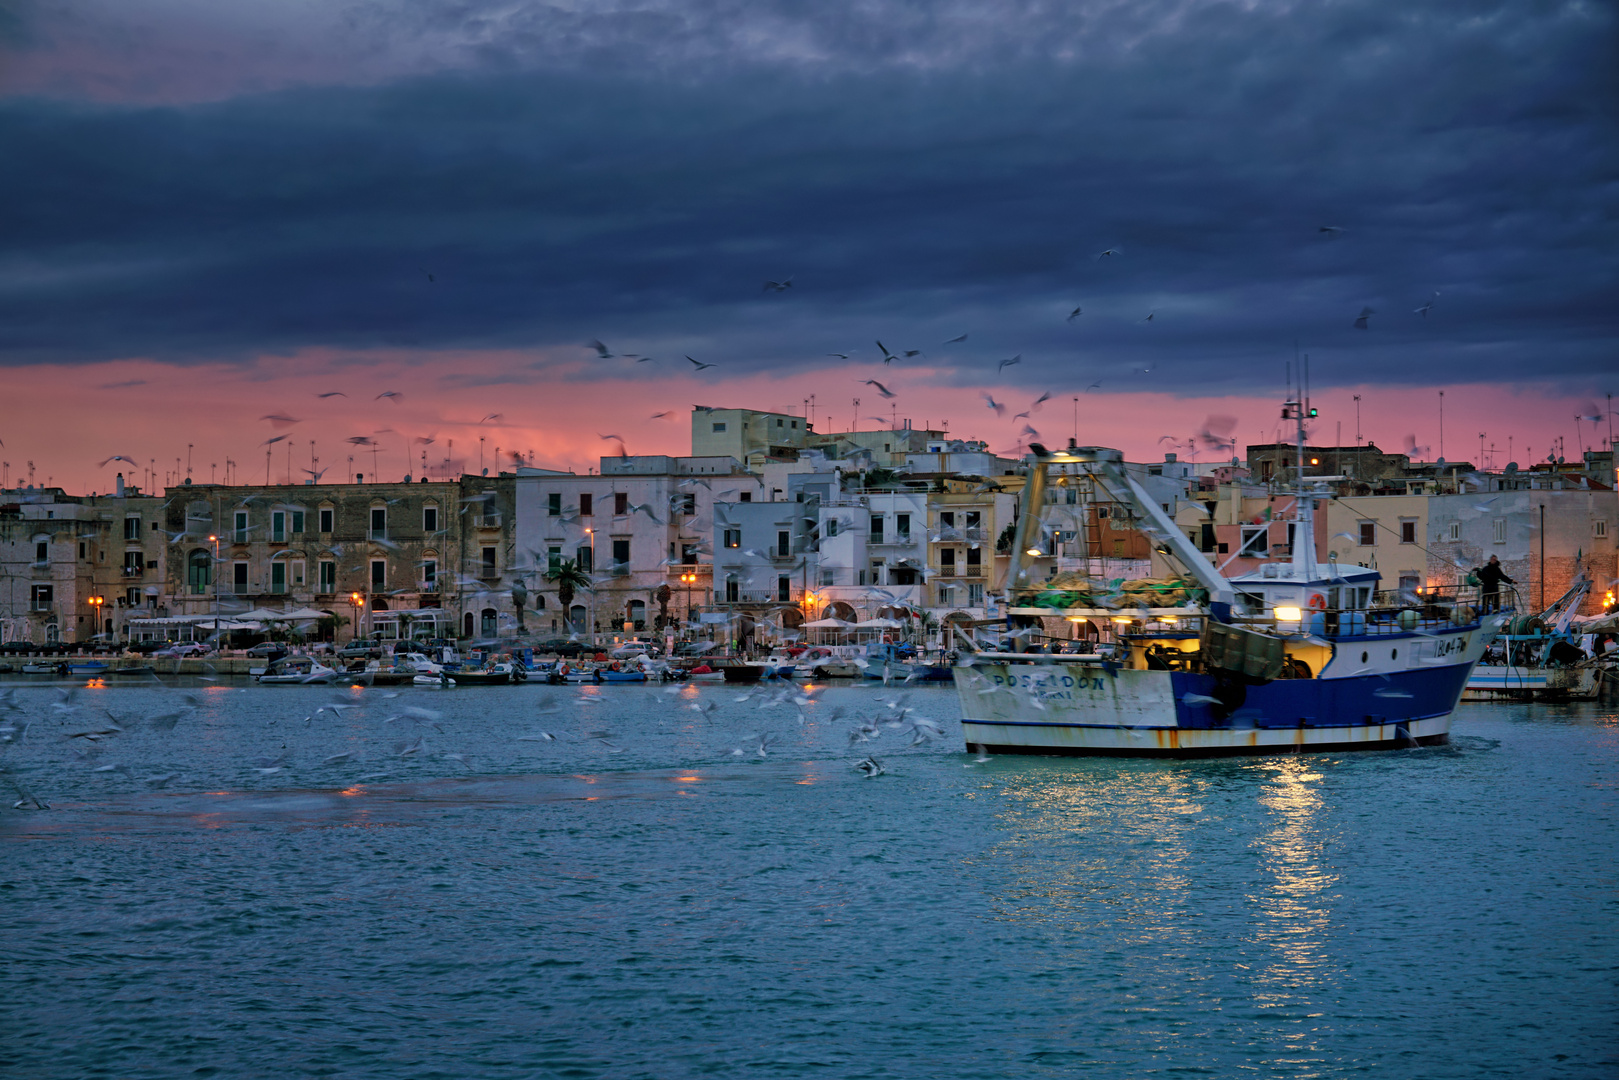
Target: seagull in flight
x=1076 y=313
x=1000 y=410
x=1111 y=251
x=116 y=457
x=839 y=355
x=955 y=340
x=1426 y=307
x=1360 y=320
x=602 y=351
x=700 y=367
x=1039 y=401
x=778 y=286
x=887 y=356
x=1332 y=231
x=1018 y=359
x=881 y=389
x=491 y=416
x=394 y=395
x=663 y=415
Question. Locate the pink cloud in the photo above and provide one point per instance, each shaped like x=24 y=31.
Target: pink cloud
x=67 y=419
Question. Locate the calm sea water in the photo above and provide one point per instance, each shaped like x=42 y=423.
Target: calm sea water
x=647 y=894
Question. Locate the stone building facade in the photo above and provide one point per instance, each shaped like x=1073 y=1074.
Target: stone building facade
x=76 y=569
x=387 y=559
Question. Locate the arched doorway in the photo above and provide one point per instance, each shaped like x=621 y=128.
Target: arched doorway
x=466 y=625
x=576 y=618
x=790 y=618
x=199 y=571
x=839 y=610
x=635 y=614
x=489 y=622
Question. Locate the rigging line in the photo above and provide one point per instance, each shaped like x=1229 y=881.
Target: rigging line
x=1416 y=544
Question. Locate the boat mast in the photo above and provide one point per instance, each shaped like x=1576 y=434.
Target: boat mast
x=1304 y=564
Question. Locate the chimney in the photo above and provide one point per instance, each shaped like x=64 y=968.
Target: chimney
x=120 y=485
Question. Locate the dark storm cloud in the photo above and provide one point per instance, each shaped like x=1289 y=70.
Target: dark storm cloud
x=917 y=175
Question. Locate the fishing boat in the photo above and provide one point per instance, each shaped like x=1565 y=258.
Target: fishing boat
x=500 y=673
x=441 y=681
x=47 y=667
x=705 y=673
x=139 y=670
x=296 y=670
x=830 y=662
x=1293 y=657
x=1537 y=657
x=607 y=675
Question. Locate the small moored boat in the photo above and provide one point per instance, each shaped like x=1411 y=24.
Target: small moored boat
x=296 y=670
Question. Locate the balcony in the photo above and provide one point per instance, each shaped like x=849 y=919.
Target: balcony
x=134 y=571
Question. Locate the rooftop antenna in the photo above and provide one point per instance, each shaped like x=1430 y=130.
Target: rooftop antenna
x=1076 y=419
x=1357 y=420
x=1441 y=423
x=188 y=459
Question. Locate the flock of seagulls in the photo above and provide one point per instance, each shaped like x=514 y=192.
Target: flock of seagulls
x=393 y=729
x=890 y=356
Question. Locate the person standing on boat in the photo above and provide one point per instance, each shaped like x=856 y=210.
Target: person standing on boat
x=1490 y=577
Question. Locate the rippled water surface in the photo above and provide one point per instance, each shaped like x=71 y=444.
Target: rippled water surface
x=646 y=894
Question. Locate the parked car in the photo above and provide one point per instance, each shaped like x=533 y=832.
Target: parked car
x=563 y=647
x=361 y=650
x=272 y=650
x=184 y=648
x=695 y=648
x=634 y=648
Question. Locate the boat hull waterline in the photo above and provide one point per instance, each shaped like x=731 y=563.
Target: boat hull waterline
x=1078 y=709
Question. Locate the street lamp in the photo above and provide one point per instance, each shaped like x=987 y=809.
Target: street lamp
x=688 y=579
x=95 y=603
x=358 y=601
x=213 y=571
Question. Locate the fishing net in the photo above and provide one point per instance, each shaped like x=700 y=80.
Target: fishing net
x=1075 y=590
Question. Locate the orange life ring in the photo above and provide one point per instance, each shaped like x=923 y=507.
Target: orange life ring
x=1317 y=602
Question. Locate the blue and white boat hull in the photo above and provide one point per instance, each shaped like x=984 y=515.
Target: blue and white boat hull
x=1377 y=693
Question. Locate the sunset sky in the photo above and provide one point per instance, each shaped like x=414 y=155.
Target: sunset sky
x=215 y=212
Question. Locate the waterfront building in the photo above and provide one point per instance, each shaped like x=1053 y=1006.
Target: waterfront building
x=643 y=528
x=386 y=559
x=1543 y=537
x=78 y=569
x=750 y=436
x=1387 y=533
x=873 y=553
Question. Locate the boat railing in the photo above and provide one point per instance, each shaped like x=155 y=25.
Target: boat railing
x=1400 y=612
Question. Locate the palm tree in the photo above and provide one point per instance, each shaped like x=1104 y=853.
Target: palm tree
x=568 y=579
